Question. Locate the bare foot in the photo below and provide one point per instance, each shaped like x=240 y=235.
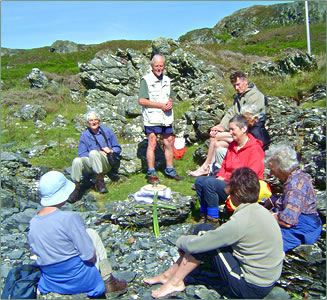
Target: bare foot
x=168 y=288
x=200 y=172
x=161 y=278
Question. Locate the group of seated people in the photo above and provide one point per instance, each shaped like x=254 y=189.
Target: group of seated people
x=246 y=252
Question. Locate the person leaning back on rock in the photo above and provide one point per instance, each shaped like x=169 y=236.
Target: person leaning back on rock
x=94 y=145
x=247 y=93
x=156 y=99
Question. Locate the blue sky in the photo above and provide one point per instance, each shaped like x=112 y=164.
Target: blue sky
x=34 y=24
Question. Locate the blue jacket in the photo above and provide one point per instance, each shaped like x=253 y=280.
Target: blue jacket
x=87 y=142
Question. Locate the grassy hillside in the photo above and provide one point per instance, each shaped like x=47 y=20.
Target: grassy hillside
x=16 y=67
x=272 y=44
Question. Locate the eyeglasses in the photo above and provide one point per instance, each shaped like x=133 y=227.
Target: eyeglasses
x=93 y=120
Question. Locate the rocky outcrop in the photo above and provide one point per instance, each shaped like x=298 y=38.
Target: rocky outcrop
x=247 y=22
x=256 y=18
x=290 y=65
x=66 y=47
x=199 y=36
x=112 y=82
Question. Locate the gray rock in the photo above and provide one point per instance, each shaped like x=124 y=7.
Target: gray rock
x=32 y=112
x=16 y=254
x=161 y=46
x=37 y=79
x=277 y=293
x=63 y=47
x=200 y=36
x=36 y=151
x=290 y=65
x=134 y=131
x=60 y=121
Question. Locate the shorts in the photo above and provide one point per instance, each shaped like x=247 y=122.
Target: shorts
x=158 y=129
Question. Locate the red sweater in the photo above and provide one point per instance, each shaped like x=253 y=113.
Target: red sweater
x=250 y=155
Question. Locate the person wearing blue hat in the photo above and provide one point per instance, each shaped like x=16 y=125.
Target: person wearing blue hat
x=72 y=258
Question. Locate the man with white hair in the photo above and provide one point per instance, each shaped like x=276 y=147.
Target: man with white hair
x=156 y=99
x=95 y=144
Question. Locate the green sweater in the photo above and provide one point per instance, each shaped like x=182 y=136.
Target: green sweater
x=255 y=238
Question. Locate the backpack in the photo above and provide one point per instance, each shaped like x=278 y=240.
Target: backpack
x=21 y=282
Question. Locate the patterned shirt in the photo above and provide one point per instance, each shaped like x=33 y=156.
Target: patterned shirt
x=298 y=198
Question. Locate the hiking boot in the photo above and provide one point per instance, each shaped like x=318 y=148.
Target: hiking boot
x=176 y=177
x=114 y=285
x=212 y=221
x=172 y=174
x=151 y=177
x=203 y=219
x=75 y=194
x=101 y=187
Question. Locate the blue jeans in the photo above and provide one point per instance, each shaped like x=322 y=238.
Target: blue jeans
x=211 y=193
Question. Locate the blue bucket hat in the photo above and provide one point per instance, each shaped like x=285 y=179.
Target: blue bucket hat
x=54 y=188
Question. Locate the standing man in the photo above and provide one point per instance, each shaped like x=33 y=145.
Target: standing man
x=94 y=145
x=155 y=97
x=220 y=137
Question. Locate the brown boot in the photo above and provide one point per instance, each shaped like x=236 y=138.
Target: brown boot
x=213 y=221
x=74 y=195
x=203 y=218
x=114 y=285
x=100 y=184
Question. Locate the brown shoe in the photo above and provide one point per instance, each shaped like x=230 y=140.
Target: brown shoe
x=100 y=184
x=213 y=221
x=75 y=194
x=114 y=285
x=203 y=219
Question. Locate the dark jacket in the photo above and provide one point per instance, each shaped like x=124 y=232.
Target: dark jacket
x=259 y=131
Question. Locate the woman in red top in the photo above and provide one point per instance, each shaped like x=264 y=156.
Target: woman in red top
x=244 y=151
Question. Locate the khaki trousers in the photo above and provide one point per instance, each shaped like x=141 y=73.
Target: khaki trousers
x=101 y=262
x=95 y=163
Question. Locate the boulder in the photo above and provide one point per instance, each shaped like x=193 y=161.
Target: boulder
x=63 y=47
x=37 y=79
x=160 y=46
x=32 y=112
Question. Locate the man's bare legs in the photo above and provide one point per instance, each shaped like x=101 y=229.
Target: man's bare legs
x=222 y=139
x=168 y=142
x=173 y=278
x=150 y=152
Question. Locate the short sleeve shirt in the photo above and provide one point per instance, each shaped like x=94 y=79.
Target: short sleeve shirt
x=59 y=236
x=298 y=198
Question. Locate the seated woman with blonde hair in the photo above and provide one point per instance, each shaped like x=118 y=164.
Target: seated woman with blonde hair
x=296 y=210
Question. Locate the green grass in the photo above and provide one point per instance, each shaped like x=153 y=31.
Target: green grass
x=16 y=67
x=272 y=42
x=120 y=191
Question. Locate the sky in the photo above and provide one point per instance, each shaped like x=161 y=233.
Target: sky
x=35 y=24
